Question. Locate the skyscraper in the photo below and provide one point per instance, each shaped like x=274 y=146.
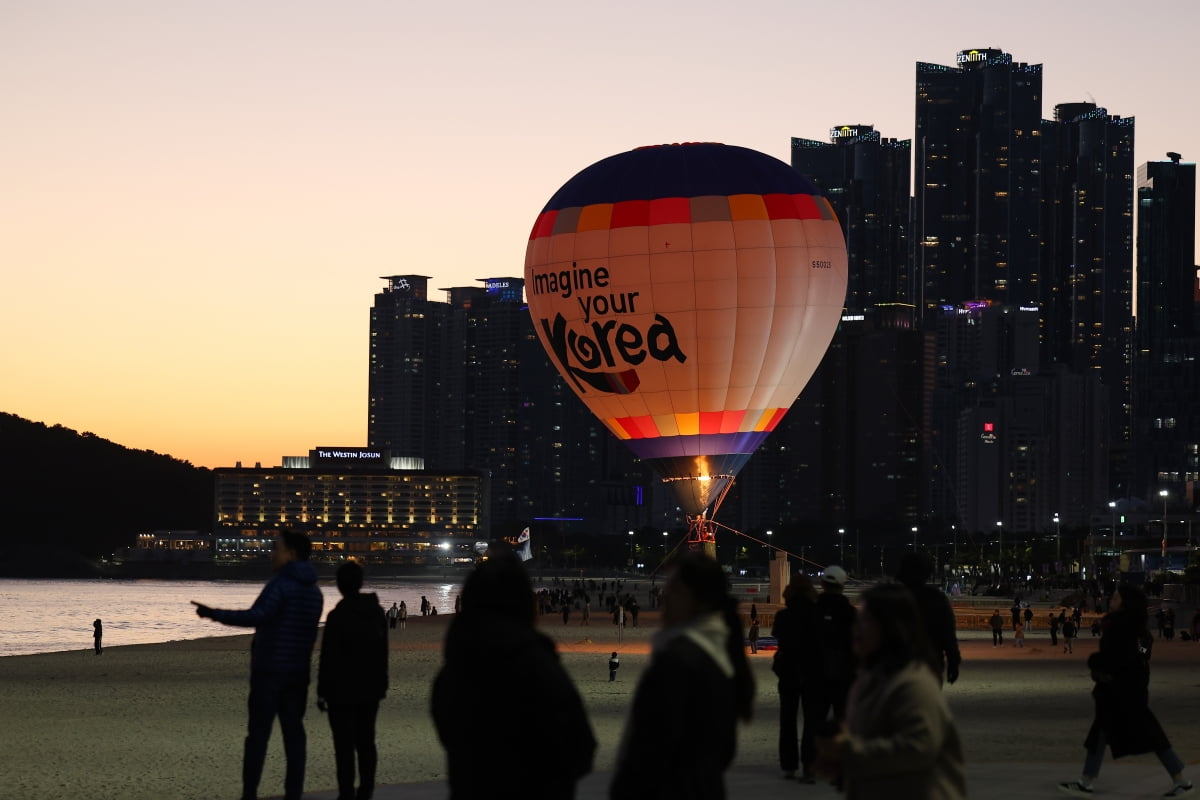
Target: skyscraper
x=407 y=409
x=1087 y=302
x=977 y=182
x=866 y=179
x=1168 y=329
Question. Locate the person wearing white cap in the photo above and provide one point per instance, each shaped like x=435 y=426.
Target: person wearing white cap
x=835 y=624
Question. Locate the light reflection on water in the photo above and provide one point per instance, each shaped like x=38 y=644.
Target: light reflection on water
x=44 y=616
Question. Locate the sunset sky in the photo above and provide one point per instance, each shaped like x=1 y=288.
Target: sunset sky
x=197 y=199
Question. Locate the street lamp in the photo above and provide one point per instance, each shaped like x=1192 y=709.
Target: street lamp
x=1112 y=509
x=1000 y=531
x=631 y=547
x=665 y=535
x=1057 y=540
x=914 y=532
x=1163 y=494
x=842 y=545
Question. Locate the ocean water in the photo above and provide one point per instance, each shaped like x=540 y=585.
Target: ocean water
x=46 y=616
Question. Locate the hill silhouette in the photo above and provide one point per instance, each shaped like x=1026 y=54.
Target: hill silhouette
x=69 y=498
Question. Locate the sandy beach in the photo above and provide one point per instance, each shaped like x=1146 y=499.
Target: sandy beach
x=167 y=720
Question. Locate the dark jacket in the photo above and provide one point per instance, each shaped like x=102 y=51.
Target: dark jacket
x=835 y=618
x=285 y=617
x=682 y=730
x=1121 y=671
x=797 y=660
x=354 y=652
x=938 y=617
x=506 y=711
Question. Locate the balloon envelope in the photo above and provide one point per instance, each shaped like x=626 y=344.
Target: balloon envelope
x=687 y=293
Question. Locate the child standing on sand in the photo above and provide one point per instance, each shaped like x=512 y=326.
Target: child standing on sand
x=613 y=664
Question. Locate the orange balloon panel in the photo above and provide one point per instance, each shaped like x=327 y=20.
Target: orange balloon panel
x=687 y=293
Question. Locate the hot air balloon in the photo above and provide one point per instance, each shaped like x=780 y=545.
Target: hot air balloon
x=686 y=293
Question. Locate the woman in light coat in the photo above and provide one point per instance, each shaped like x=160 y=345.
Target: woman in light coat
x=899 y=740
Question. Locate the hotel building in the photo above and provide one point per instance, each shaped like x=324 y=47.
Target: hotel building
x=352 y=501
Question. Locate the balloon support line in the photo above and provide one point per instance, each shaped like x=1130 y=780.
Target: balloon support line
x=769 y=546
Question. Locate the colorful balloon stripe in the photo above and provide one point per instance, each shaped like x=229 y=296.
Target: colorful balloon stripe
x=720 y=444
x=677 y=210
x=704 y=423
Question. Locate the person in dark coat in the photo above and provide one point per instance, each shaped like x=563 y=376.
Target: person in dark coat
x=352 y=678
x=797 y=664
x=1123 y=720
x=285 y=617
x=835 y=625
x=98 y=636
x=505 y=710
x=937 y=615
x=997 y=623
x=682 y=731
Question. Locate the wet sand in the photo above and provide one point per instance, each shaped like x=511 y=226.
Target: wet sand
x=167 y=720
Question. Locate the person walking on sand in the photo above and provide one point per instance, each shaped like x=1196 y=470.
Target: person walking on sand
x=997 y=623
x=1053 y=629
x=285 y=618
x=1019 y=636
x=393 y=616
x=530 y=699
x=403 y=615
x=98 y=636
x=1069 y=630
x=1123 y=720
x=682 y=730
x=614 y=664
x=753 y=635
x=352 y=678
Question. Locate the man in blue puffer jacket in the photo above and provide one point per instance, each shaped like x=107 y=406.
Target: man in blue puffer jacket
x=285 y=618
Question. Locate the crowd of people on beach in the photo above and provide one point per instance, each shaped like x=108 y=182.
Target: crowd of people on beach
x=860 y=688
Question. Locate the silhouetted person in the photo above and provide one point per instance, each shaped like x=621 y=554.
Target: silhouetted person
x=502 y=685
x=937 y=616
x=614 y=664
x=1123 y=720
x=285 y=618
x=352 y=679
x=98 y=636
x=835 y=626
x=682 y=729
x=799 y=666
